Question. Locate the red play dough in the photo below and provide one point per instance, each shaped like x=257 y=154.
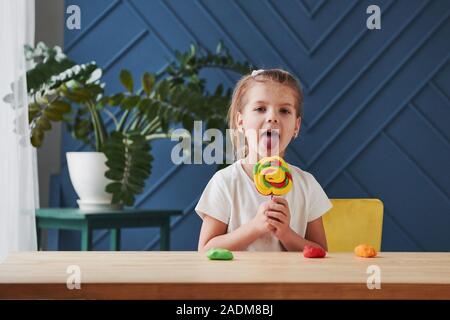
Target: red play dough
x=313 y=252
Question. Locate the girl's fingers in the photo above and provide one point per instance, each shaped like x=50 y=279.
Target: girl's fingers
x=281 y=201
x=276 y=207
x=275 y=223
x=276 y=215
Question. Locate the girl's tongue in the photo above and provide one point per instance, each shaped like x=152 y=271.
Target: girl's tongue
x=270 y=140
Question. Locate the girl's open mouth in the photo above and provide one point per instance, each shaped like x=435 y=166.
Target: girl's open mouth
x=270 y=138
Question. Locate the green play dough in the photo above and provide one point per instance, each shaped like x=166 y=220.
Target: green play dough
x=219 y=254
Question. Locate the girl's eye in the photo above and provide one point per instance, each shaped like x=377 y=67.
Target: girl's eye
x=285 y=111
x=259 y=109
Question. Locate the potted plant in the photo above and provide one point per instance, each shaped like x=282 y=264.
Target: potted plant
x=115 y=171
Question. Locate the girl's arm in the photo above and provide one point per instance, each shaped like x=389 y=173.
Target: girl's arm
x=315 y=236
x=214 y=235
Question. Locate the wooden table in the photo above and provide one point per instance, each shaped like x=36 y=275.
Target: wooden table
x=189 y=275
x=86 y=221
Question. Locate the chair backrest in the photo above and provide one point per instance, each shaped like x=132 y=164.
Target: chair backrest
x=352 y=222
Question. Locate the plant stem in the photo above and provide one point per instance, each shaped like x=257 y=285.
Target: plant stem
x=123 y=120
x=111 y=115
x=139 y=121
x=136 y=121
x=99 y=129
x=154 y=124
x=130 y=123
x=96 y=132
x=103 y=132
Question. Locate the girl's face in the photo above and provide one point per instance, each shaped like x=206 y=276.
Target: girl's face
x=269 y=119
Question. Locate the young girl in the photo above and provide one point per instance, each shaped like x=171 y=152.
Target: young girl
x=237 y=217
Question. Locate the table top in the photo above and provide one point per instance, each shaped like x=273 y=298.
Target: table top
x=78 y=214
x=251 y=275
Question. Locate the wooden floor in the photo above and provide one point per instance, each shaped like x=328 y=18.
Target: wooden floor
x=190 y=275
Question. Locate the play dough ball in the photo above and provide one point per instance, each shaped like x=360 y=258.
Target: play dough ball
x=365 y=251
x=219 y=254
x=313 y=252
x=272 y=176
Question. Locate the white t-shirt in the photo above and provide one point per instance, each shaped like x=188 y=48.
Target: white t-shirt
x=231 y=197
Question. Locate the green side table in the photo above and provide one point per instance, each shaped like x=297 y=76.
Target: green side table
x=87 y=221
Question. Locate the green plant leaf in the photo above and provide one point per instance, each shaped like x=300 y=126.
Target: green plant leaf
x=163 y=90
x=113 y=187
x=53 y=115
x=128 y=198
x=59 y=106
x=193 y=51
x=129 y=165
x=116 y=99
x=44 y=124
x=37 y=135
x=130 y=102
x=219 y=47
x=114 y=174
x=148 y=81
x=94 y=76
x=78 y=95
x=34 y=110
x=219 y=90
x=127 y=80
x=152 y=110
x=136 y=170
x=144 y=105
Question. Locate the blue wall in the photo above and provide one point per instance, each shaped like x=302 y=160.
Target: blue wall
x=377 y=102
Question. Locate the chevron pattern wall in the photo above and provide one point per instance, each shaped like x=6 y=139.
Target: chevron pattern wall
x=377 y=106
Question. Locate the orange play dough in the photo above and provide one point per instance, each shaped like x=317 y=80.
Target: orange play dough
x=365 y=251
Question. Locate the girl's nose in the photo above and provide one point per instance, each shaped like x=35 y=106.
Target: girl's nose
x=272 y=117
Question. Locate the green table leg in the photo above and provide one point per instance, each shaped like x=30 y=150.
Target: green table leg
x=38 y=238
x=114 y=239
x=86 y=238
x=165 y=235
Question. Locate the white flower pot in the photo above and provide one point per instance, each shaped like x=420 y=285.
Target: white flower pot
x=87 y=173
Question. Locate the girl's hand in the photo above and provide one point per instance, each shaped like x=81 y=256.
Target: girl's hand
x=279 y=216
x=260 y=222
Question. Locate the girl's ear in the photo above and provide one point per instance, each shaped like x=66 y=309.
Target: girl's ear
x=239 y=121
x=298 y=124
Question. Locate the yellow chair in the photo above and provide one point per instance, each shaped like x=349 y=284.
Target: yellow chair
x=352 y=222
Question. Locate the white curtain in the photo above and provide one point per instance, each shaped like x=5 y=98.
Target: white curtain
x=18 y=170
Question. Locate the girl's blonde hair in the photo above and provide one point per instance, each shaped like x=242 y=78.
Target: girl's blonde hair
x=239 y=143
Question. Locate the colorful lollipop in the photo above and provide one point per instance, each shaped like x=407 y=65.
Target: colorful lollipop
x=272 y=176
